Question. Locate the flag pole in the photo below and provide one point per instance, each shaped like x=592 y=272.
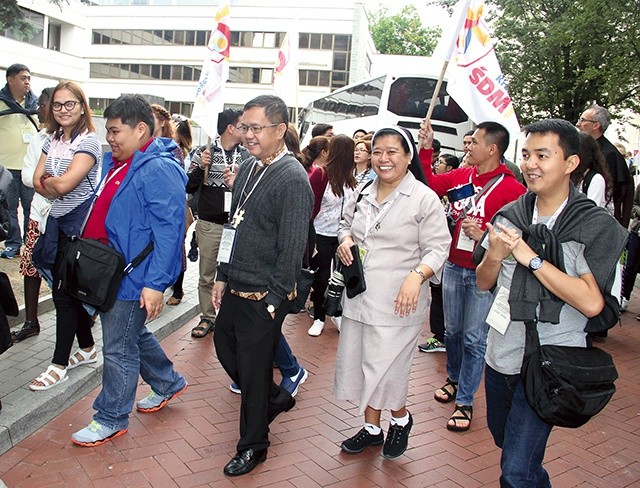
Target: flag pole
x=436 y=91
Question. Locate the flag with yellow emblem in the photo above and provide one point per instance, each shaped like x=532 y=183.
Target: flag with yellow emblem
x=215 y=72
x=474 y=77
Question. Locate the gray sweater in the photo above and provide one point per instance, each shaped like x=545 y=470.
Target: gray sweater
x=271 y=239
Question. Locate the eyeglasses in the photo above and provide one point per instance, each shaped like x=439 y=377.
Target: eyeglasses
x=69 y=105
x=256 y=129
x=360 y=150
x=582 y=119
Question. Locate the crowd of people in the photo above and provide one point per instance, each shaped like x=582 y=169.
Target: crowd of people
x=402 y=212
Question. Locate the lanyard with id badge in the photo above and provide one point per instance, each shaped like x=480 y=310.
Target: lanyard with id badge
x=374 y=222
x=227 y=240
x=465 y=243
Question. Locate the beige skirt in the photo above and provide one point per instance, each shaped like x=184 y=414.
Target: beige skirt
x=373 y=364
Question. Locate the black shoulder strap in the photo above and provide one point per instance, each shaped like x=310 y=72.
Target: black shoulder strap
x=586 y=181
x=360 y=195
x=138 y=259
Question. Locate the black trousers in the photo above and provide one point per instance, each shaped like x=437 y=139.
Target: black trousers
x=321 y=262
x=245 y=338
x=436 y=312
x=72 y=320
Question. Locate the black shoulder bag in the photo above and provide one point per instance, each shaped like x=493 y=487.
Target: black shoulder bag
x=92 y=271
x=566 y=386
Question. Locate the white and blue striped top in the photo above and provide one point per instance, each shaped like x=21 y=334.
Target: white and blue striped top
x=59 y=157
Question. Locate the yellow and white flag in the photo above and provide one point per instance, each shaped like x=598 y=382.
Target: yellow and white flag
x=215 y=72
x=474 y=78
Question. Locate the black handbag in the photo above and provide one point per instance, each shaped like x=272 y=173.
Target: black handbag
x=92 y=271
x=307 y=275
x=354 y=275
x=303 y=288
x=566 y=386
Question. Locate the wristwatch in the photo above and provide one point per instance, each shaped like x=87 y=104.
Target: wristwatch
x=271 y=308
x=535 y=263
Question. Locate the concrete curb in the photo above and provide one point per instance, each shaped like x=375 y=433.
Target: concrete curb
x=38 y=408
x=45 y=304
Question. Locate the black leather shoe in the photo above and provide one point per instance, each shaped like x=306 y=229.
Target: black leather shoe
x=283 y=408
x=244 y=462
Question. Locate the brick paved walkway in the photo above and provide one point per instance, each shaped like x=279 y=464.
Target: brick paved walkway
x=188 y=443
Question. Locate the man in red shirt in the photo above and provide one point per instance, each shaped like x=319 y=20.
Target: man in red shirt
x=485 y=187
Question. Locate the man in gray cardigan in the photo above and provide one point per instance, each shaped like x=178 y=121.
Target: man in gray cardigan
x=260 y=261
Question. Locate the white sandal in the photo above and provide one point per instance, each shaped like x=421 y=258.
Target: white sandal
x=48 y=380
x=85 y=358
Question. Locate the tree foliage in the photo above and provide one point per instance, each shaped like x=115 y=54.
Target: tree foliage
x=11 y=16
x=560 y=56
x=402 y=33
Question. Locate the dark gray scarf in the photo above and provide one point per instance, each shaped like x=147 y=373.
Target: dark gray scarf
x=580 y=221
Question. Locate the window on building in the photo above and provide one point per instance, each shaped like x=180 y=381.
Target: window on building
x=315 y=41
x=308 y=77
x=35 y=36
x=257 y=39
x=55 y=37
x=303 y=40
x=327 y=41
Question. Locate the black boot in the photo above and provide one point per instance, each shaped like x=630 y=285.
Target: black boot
x=29 y=329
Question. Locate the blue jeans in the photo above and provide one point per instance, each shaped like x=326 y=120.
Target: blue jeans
x=129 y=350
x=285 y=360
x=465 y=336
x=517 y=430
x=18 y=191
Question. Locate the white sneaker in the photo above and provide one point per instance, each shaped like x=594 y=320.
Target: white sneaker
x=337 y=321
x=316 y=329
x=624 y=305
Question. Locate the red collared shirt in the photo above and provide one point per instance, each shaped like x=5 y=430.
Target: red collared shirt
x=95 y=228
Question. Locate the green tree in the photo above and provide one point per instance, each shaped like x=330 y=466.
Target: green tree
x=402 y=33
x=559 y=56
x=11 y=16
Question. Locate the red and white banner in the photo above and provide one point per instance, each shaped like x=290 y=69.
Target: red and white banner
x=474 y=77
x=285 y=73
x=215 y=72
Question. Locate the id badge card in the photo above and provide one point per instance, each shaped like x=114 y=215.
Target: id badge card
x=226 y=244
x=499 y=315
x=227 y=201
x=465 y=243
x=363 y=254
x=26 y=134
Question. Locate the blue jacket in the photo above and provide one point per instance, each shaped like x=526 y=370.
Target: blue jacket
x=149 y=206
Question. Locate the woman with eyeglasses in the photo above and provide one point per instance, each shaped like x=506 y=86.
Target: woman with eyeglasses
x=66 y=174
x=362 y=158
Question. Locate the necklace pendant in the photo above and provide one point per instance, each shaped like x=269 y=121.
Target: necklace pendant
x=238 y=218
x=378 y=226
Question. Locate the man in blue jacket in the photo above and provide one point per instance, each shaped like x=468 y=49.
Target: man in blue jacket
x=140 y=200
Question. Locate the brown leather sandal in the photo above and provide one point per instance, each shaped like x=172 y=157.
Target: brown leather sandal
x=449 y=393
